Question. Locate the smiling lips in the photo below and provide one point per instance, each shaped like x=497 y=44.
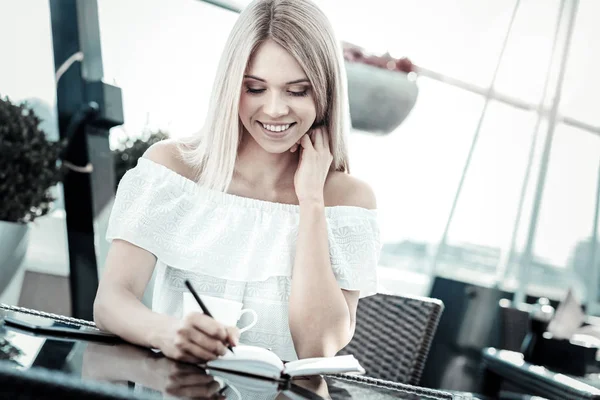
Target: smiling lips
x=277 y=127
x=276 y=130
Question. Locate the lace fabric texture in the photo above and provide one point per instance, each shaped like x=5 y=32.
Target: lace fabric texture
x=234 y=247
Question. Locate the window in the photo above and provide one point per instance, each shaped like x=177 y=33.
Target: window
x=581 y=93
x=462 y=40
x=166 y=74
x=567 y=212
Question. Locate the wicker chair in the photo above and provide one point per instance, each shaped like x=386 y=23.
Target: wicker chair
x=393 y=335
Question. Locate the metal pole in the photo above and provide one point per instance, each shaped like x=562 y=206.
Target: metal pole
x=504 y=262
x=443 y=240
x=504 y=98
x=225 y=4
x=526 y=259
x=594 y=260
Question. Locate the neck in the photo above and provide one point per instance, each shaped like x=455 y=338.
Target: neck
x=263 y=170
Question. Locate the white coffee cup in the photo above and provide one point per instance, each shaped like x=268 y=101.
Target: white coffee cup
x=228 y=312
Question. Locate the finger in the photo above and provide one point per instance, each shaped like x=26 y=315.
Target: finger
x=233 y=335
x=294 y=148
x=208 y=343
x=306 y=143
x=320 y=139
x=208 y=325
x=189 y=348
x=185 y=357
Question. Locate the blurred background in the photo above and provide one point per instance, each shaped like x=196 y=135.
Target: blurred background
x=488 y=180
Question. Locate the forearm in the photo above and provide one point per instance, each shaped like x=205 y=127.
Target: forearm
x=119 y=311
x=319 y=317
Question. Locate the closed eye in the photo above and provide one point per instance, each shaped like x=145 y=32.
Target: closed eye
x=290 y=92
x=299 y=94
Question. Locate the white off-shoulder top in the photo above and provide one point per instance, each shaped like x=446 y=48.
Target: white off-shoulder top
x=234 y=247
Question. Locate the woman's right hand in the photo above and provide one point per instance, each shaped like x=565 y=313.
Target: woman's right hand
x=198 y=337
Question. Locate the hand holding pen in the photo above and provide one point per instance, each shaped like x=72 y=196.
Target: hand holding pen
x=197 y=337
x=205 y=310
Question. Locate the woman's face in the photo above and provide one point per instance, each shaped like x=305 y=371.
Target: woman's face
x=277 y=105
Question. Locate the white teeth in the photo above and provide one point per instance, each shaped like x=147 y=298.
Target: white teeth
x=276 y=128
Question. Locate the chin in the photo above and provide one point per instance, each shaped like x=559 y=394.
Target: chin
x=274 y=148
x=274 y=145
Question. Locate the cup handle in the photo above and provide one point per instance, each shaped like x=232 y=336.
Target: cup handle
x=251 y=311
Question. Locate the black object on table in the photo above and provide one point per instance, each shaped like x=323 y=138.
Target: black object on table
x=539 y=347
x=93 y=370
x=539 y=318
x=503 y=366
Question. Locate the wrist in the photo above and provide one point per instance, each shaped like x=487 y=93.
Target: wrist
x=312 y=204
x=162 y=332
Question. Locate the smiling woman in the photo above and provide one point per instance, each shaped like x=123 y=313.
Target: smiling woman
x=258 y=208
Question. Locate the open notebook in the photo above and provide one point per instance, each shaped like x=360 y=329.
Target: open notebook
x=261 y=362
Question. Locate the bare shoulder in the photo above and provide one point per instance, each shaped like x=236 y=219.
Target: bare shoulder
x=168 y=153
x=342 y=189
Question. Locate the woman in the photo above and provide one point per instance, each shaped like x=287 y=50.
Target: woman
x=259 y=208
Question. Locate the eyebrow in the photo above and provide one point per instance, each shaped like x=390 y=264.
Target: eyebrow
x=287 y=83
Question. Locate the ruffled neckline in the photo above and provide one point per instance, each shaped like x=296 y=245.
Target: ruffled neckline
x=161 y=172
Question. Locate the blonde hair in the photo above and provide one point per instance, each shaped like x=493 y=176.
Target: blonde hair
x=302 y=29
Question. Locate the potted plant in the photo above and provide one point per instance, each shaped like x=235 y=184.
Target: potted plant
x=382 y=90
x=130 y=149
x=29 y=168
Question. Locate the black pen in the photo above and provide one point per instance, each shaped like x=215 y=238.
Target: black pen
x=201 y=304
x=222 y=390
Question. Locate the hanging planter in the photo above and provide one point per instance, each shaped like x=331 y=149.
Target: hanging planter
x=382 y=90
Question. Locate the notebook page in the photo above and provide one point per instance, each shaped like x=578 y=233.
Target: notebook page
x=324 y=365
x=250 y=360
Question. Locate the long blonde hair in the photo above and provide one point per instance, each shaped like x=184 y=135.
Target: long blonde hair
x=301 y=28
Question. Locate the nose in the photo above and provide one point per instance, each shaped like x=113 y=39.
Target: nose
x=276 y=107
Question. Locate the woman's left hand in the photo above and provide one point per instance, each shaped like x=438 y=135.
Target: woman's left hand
x=314 y=166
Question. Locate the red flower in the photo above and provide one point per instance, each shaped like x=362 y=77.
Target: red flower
x=353 y=53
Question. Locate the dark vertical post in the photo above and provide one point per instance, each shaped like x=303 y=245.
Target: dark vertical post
x=87 y=109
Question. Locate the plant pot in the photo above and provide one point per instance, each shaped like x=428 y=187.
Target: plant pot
x=380 y=99
x=14 y=239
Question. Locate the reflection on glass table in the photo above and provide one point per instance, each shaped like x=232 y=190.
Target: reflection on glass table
x=152 y=373
x=62 y=366
x=18 y=348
